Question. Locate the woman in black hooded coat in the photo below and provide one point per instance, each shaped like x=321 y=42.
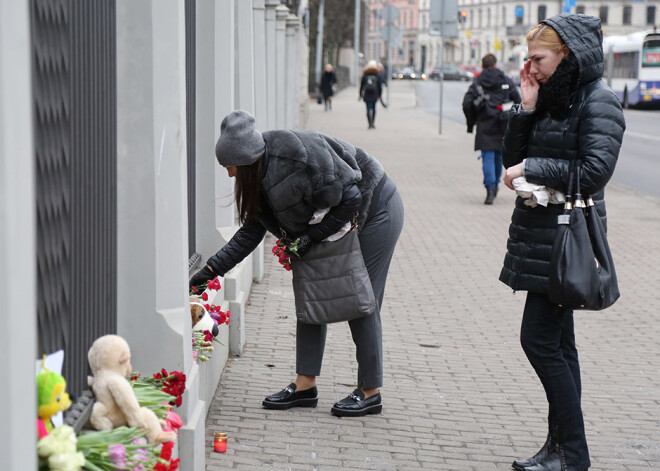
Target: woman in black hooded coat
x=567 y=114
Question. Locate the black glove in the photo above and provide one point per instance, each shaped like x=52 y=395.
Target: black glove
x=299 y=247
x=199 y=279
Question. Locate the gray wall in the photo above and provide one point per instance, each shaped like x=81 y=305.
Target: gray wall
x=232 y=69
x=18 y=322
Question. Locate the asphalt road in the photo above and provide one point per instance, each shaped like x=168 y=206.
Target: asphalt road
x=639 y=160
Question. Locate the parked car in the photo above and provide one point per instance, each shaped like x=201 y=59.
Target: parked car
x=471 y=69
x=409 y=73
x=450 y=72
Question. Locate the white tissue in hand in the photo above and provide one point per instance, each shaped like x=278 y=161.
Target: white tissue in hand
x=536 y=194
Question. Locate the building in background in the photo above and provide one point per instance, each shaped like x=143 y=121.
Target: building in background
x=405 y=49
x=499 y=26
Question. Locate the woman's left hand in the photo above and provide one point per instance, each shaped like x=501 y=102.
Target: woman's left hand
x=511 y=173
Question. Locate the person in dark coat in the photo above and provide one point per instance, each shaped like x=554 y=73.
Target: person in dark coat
x=567 y=113
x=482 y=105
x=328 y=81
x=371 y=89
x=283 y=177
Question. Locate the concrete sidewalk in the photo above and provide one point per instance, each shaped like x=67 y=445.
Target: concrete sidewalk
x=459 y=393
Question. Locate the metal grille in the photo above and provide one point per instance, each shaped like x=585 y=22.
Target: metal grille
x=74 y=88
x=190 y=122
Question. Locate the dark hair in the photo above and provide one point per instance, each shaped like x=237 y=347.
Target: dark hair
x=488 y=61
x=248 y=190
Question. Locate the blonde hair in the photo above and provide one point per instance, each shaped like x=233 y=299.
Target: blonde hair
x=545 y=36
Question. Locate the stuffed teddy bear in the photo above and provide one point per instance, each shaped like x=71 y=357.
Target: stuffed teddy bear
x=116 y=405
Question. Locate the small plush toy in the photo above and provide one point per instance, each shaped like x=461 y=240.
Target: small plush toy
x=201 y=319
x=52 y=396
x=116 y=405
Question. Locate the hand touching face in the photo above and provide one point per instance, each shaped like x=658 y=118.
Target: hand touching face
x=543 y=61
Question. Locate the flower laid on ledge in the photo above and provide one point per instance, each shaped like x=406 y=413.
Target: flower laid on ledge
x=219 y=317
x=163 y=386
x=202 y=345
x=121 y=448
x=280 y=252
x=58 y=450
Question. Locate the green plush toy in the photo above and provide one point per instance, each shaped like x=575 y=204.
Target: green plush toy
x=52 y=396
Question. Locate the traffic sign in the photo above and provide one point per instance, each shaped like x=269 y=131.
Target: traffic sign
x=390 y=14
x=390 y=33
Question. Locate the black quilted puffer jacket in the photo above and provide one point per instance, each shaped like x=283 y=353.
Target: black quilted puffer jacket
x=586 y=123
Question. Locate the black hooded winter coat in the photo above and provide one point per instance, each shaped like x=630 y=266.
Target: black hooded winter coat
x=490 y=121
x=586 y=122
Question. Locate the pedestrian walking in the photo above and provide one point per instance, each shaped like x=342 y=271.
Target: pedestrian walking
x=328 y=85
x=567 y=114
x=282 y=178
x=486 y=105
x=371 y=90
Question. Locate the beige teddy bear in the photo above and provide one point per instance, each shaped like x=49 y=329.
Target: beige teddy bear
x=116 y=405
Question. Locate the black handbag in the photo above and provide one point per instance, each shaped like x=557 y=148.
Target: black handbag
x=331 y=282
x=582 y=274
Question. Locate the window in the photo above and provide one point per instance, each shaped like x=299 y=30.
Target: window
x=504 y=22
x=627 y=15
x=624 y=65
x=650 y=15
x=480 y=19
x=542 y=13
x=651 y=53
x=579 y=10
x=520 y=13
x=488 y=17
x=602 y=13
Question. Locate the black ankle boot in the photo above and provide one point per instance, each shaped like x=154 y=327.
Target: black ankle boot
x=547 y=447
x=490 y=196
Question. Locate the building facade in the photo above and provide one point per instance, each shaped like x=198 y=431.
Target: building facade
x=402 y=22
x=498 y=26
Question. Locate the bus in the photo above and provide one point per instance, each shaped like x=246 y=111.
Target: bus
x=632 y=67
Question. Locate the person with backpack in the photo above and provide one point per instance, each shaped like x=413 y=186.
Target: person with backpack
x=370 y=90
x=484 y=105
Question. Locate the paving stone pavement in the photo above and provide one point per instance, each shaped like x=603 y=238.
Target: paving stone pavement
x=459 y=393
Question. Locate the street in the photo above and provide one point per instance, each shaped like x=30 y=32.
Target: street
x=639 y=161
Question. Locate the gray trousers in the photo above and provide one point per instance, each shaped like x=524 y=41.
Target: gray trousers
x=377 y=241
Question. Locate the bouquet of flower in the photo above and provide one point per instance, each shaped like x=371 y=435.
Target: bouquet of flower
x=202 y=345
x=58 y=450
x=158 y=388
x=121 y=448
x=219 y=316
x=280 y=252
x=213 y=285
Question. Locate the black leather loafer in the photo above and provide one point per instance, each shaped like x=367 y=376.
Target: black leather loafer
x=355 y=405
x=288 y=398
x=550 y=462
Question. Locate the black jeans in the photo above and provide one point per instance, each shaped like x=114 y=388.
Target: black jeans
x=548 y=339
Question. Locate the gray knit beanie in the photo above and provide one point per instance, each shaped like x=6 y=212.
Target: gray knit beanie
x=240 y=143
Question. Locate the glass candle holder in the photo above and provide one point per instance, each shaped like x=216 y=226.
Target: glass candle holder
x=220 y=442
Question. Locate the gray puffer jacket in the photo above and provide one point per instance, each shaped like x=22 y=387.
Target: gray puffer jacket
x=591 y=129
x=304 y=171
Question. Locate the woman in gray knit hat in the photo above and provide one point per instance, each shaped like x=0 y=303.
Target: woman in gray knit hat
x=282 y=178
